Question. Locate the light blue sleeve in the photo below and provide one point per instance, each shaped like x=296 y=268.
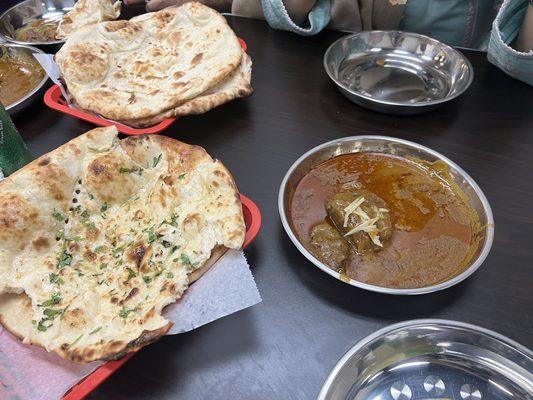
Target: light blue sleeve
x=505 y=28
x=278 y=17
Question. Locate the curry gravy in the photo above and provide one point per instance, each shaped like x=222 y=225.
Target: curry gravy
x=434 y=229
x=19 y=75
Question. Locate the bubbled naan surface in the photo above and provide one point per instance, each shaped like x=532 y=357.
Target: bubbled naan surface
x=99 y=235
x=139 y=68
x=87 y=12
x=235 y=85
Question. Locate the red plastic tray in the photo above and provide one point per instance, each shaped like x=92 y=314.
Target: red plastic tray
x=54 y=99
x=252 y=218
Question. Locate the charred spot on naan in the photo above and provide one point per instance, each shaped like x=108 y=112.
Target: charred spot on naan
x=123 y=33
x=18 y=219
x=41 y=243
x=138 y=255
x=112 y=177
x=56 y=182
x=86 y=62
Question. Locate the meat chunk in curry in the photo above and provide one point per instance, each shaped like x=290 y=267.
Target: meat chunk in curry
x=328 y=245
x=362 y=217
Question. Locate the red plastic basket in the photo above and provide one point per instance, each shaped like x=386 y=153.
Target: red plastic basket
x=252 y=218
x=54 y=99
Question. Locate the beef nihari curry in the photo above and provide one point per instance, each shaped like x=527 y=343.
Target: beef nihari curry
x=19 y=74
x=385 y=220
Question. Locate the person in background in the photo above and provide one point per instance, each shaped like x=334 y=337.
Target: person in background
x=463 y=23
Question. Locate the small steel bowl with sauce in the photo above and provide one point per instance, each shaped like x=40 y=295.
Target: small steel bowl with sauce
x=406 y=150
x=34 y=92
x=397 y=72
x=29 y=11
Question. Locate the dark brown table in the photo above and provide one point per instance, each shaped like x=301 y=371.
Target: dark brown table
x=284 y=347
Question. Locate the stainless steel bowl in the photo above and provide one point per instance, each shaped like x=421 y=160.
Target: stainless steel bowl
x=398 y=147
x=432 y=359
x=38 y=91
x=31 y=10
x=397 y=72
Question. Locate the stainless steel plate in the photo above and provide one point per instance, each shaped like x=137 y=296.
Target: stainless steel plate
x=31 y=10
x=401 y=148
x=429 y=360
x=397 y=72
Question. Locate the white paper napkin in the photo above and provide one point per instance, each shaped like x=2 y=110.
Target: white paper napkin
x=29 y=372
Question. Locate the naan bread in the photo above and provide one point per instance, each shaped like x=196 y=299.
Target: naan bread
x=236 y=85
x=135 y=69
x=98 y=236
x=87 y=12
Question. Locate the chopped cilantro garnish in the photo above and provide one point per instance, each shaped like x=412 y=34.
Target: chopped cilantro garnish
x=103 y=208
x=65 y=258
x=42 y=327
x=147 y=279
x=124 y=170
x=156 y=160
x=61 y=235
x=51 y=313
x=185 y=260
x=170 y=275
x=91 y=196
x=55 y=278
x=96 y=330
x=57 y=215
x=99 y=249
x=75 y=341
x=55 y=299
x=174 y=220
x=123 y=313
x=166 y=243
x=117 y=253
x=131 y=273
x=181 y=176
x=85 y=214
x=152 y=236
x=103 y=265
x=173 y=249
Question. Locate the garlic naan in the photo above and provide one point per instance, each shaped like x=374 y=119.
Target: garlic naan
x=87 y=12
x=99 y=235
x=126 y=70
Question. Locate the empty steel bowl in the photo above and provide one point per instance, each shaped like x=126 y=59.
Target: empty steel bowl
x=397 y=72
x=35 y=93
x=31 y=10
x=401 y=148
x=432 y=360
